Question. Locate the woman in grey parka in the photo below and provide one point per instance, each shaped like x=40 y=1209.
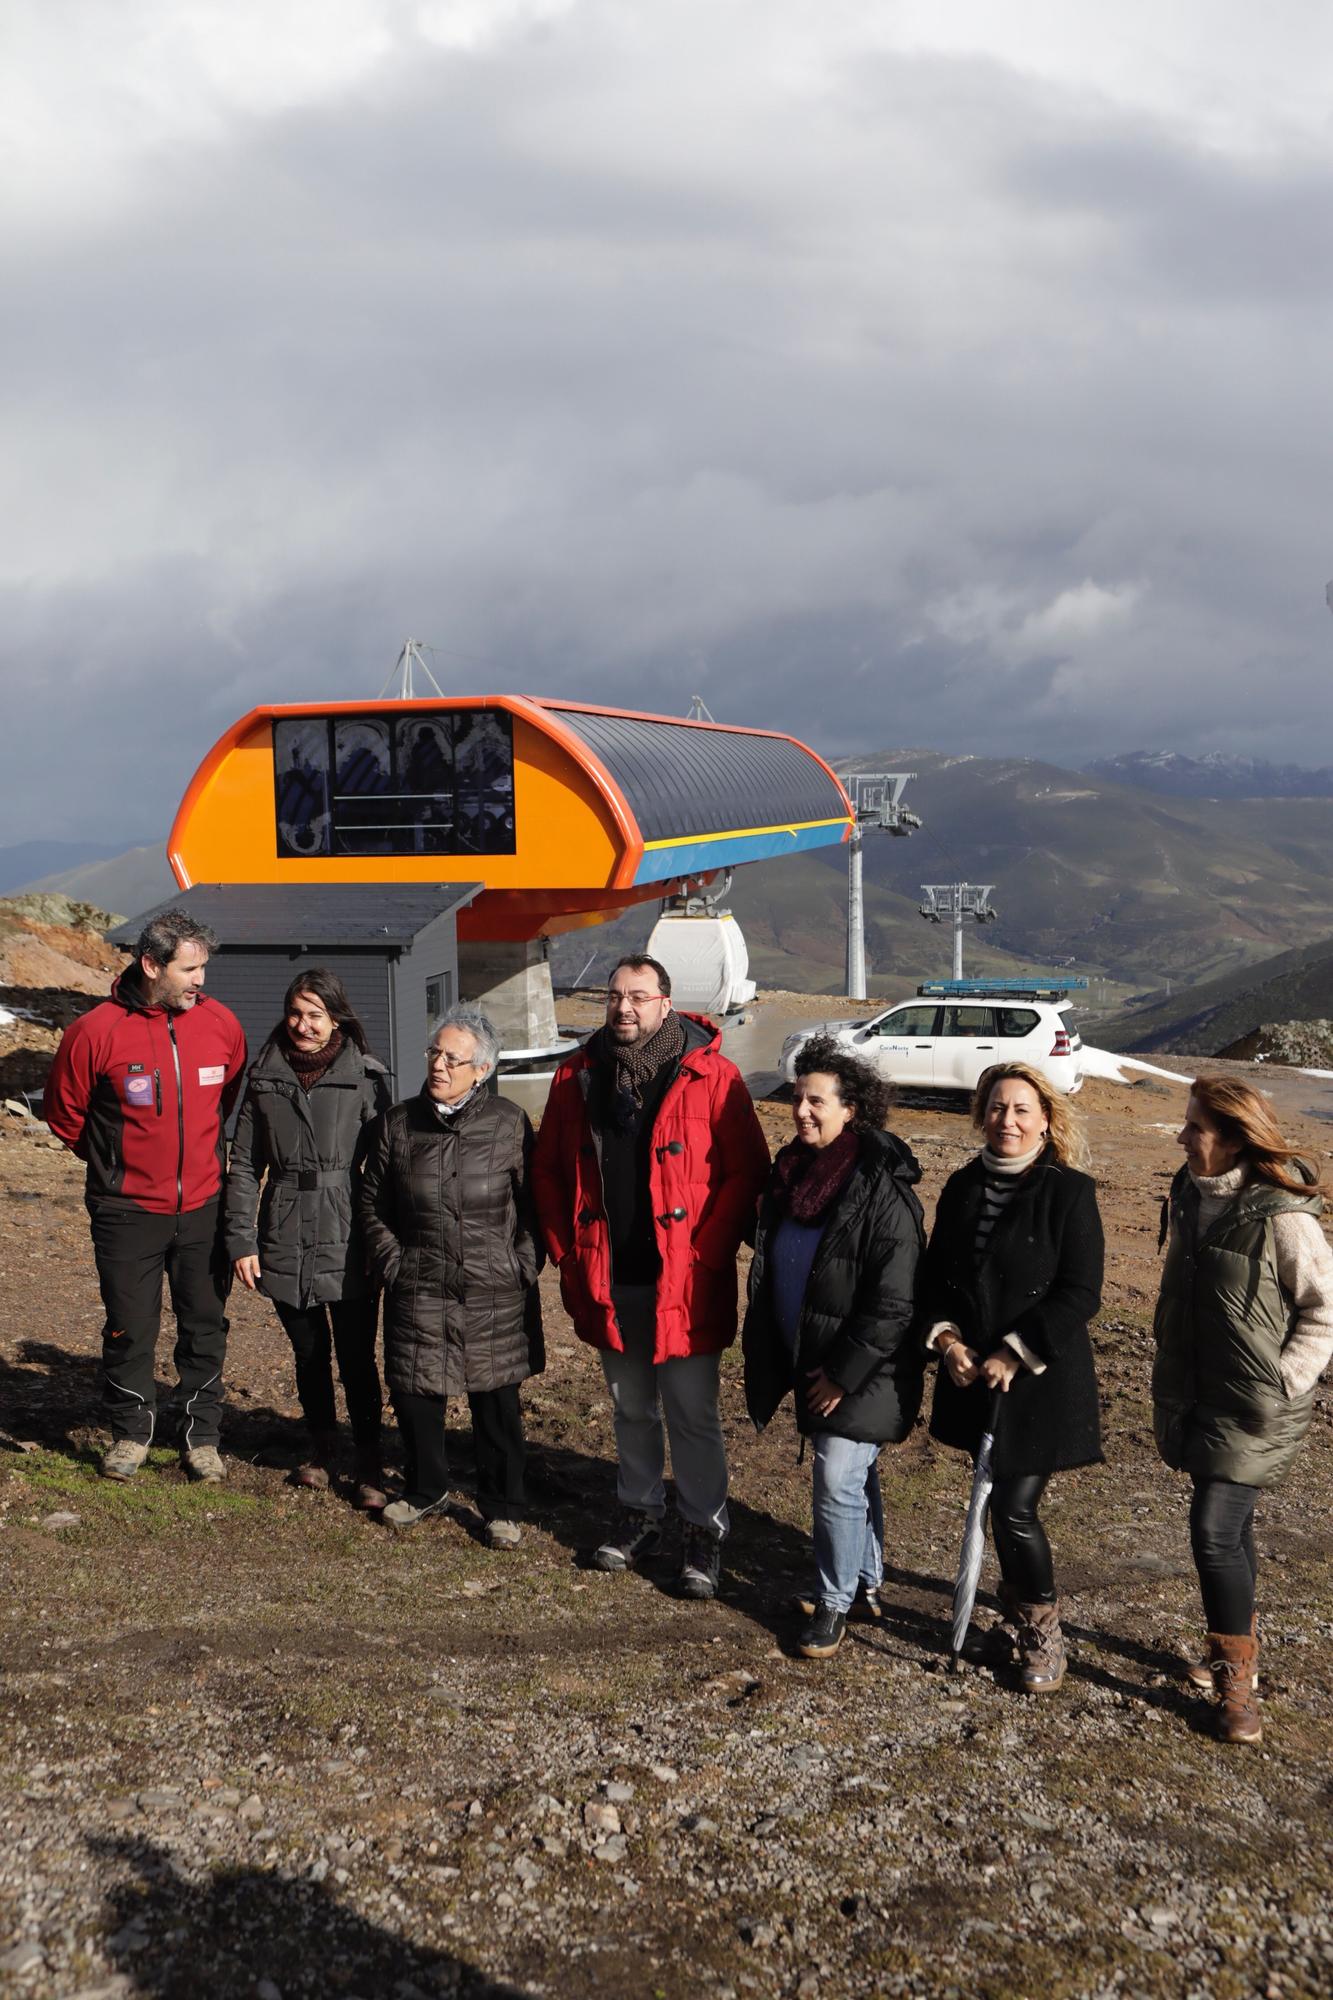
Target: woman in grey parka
x=446 y=1204
x=309 y=1099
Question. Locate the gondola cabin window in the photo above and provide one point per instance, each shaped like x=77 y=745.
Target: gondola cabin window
x=431 y=783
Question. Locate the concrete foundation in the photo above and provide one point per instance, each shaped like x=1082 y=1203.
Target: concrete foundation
x=511 y=983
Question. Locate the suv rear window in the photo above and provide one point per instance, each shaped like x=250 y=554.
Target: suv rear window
x=1015 y=1022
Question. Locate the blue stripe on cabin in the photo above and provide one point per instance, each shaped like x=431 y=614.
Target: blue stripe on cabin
x=728 y=850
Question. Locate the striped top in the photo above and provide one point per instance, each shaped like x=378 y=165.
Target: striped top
x=998 y=1190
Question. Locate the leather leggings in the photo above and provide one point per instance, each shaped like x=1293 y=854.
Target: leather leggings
x=1020 y=1539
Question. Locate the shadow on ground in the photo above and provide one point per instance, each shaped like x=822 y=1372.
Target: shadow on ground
x=176 y=1938
x=1158 y=1680
x=52 y=1398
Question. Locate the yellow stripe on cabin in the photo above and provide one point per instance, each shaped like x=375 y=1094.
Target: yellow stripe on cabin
x=742 y=833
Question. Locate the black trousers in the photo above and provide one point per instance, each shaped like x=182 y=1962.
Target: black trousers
x=1222 y=1541
x=134 y=1252
x=348 y=1327
x=497 y=1438
x=1020 y=1539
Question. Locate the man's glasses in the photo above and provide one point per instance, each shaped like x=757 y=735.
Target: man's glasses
x=441 y=1059
x=634 y=999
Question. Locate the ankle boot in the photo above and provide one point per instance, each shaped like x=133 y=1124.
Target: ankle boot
x=1199 y=1673
x=1041 y=1647
x=313 y=1472
x=1233 y=1660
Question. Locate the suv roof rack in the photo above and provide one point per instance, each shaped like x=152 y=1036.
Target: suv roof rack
x=1005 y=989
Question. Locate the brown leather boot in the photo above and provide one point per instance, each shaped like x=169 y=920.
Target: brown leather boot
x=1041 y=1647
x=1199 y=1673
x=1233 y=1659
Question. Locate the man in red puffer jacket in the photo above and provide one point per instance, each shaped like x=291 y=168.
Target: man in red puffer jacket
x=140 y=1089
x=648 y=1168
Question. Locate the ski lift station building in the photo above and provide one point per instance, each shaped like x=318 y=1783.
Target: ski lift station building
x=478 y=826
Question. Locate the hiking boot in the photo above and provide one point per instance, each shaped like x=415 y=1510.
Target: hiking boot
x=503 y=1534
x=1234 y=1661
x=1041 y=1648
x=406 y=1513
x=124 y=1459
x=701 y=1563
x=822 y=1636
x=313 y=1475
x=204 y=1463
x=368 y=1491
x=634 y=1537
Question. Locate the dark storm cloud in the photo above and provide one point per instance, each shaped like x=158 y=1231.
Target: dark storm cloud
x=917 y=399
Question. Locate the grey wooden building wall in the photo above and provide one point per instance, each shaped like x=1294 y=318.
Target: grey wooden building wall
x=252 y=980
x=427 y=967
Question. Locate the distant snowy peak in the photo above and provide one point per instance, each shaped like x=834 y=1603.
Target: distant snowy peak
x=1215 y=775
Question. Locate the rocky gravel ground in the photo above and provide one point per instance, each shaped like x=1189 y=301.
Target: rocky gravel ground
x=255 y=1745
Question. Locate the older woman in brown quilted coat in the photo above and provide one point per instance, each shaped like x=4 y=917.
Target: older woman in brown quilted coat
x=450 y=1234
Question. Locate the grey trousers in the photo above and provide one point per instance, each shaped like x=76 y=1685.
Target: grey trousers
x=684 y=1392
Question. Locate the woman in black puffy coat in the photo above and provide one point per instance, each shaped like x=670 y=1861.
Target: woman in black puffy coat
x=309 y=1099
x=1012 y=1276
x=830 y=1316
x=450 y=1233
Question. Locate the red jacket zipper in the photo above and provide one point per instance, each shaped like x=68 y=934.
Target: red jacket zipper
x=180 y=1118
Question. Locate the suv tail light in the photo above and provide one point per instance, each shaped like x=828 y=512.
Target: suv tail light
x=1061 y=1047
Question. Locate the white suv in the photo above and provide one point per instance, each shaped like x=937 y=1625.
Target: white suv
x=950 y=1033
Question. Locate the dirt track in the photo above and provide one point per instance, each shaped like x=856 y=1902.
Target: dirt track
x=255 y=1744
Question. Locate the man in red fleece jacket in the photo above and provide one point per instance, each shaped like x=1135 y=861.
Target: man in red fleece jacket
x=140 y=1089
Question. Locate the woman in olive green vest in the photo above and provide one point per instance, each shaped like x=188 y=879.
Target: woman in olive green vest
x=1244 y=1329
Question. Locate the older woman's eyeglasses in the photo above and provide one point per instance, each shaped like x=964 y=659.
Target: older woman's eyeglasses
x=443 y=1059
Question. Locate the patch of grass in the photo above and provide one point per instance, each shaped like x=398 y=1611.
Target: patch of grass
x=148 y=1500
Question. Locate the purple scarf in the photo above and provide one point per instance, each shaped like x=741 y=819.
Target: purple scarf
x=807 y=1180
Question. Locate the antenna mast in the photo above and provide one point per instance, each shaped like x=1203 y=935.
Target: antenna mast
x=410 y=657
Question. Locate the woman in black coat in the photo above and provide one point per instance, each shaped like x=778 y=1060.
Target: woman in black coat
x=451 y=1233
x=831 y=1308
x=309 y=1098
x=1012 y=1275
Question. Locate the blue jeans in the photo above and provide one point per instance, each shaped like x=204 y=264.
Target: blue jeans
x=849 y=1519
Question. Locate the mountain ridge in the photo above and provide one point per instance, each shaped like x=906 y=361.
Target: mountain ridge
x=1217 y=774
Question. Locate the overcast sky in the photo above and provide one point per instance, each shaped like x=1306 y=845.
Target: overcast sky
x=947 y=373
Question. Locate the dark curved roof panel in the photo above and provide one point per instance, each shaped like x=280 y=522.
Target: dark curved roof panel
x=683 y=781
